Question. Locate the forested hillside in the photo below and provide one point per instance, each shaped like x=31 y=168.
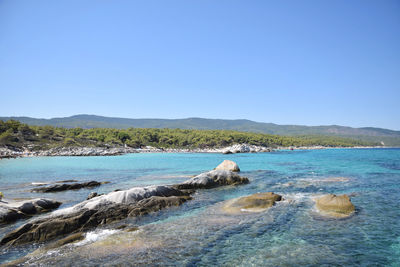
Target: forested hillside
x=18 y=135
x=368 y=134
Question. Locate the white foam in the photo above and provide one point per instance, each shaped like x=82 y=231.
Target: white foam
x=94 y=236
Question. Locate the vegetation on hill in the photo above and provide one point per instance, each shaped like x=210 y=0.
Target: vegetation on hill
x=18 y=135
x=368 y=134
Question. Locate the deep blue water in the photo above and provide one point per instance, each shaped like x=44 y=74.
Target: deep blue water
x=198 y=233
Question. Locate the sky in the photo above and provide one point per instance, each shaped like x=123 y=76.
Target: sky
x=286 y=62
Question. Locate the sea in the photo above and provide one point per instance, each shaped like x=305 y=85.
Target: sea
x=199 y=233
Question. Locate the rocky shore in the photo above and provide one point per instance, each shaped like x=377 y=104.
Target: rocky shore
x=70 y=224
x=115 y=151
x=117 y=205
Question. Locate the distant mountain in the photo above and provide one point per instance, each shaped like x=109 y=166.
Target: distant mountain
x=389 y=137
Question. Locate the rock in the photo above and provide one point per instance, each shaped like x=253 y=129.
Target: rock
x=254 y=203
x=336 y=206
x=91 y=195
x=228 y=165
x=28 y=208
x=67 y=240
x=64 y=187
x=244 y=148
x=116 y=206
x=8 y=215
x=12 y=211
x=100 y=210
x=213 y=179
x=132 y=229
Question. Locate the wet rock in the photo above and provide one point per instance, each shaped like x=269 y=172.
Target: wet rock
x=104 y=209
x=8 y=215
x=116 y=206
x=254 y=203
x=64 y=187
x=228 y=165
x=67 y=240
x=92 y=195
x=213 y=179
x=336 y=206
x=12 y=211
x=28 y=208
x=132 y=229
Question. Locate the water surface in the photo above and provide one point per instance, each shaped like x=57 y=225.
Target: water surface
x=198 y=233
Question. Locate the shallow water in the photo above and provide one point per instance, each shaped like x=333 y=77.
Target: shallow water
x=199 y=233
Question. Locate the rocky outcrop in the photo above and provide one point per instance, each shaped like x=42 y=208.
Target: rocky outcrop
x=335 y=206
x=116 y=206
x=254 y=203
x=98 y=210
x=245 y=148
x=12 y=211
x=213 y=179
x=64 y=187
x=228 y=165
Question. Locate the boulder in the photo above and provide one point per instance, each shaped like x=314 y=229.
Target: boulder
x=228 y=165
x=254 y=203
x=99 y=210
x=213 y=179
x=64 y=187
x=12 y=211
x=336 y=206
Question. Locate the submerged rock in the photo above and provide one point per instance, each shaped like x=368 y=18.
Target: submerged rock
x=254 y=203
x=336 y=206
x=228 y=165
x=213 y=179
x=67 y=240
x=64 y=187
x=100 y=210
x=12 y=211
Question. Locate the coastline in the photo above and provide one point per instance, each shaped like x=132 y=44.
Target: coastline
x=116 y=151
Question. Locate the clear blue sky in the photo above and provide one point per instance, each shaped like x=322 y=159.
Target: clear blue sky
x=287 y=62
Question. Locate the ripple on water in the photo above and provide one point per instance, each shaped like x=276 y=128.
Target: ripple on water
x=197 y=233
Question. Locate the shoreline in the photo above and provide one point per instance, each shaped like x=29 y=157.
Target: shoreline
x=116 y=151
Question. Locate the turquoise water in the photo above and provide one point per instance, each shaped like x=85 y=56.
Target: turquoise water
x=198 y=233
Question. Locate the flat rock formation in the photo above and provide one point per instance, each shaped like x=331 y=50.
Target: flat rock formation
x=335 y=206
x=98 y=210
x=254 y=203
x=64 y=187
x=115 y=206
x=228 y=165
x=11 y=211
x=213 y=179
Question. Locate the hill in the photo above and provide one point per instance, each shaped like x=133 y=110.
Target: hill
x=370 y=134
